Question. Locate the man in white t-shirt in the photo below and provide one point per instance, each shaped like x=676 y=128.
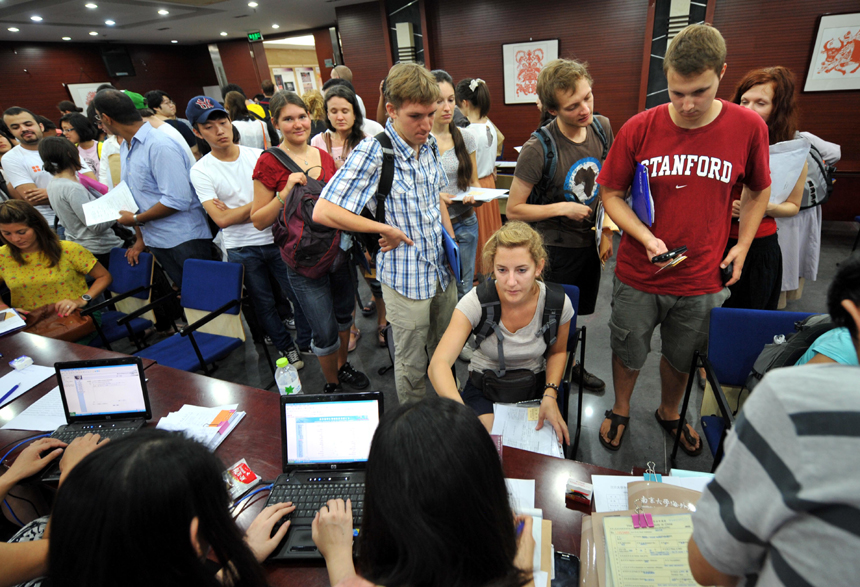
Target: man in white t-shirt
x=22 y=166
x=222 y=180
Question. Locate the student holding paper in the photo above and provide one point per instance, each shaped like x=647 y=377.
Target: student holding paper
x=696 y=148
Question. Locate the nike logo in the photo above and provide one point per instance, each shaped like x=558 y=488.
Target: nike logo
x=677 y=187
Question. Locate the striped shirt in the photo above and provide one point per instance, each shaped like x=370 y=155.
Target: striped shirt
x=784 y=507
x=412 y=206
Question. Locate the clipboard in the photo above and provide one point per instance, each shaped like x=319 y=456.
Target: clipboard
x=642 y=201
x=452 y=252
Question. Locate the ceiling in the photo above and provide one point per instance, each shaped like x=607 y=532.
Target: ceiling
x=139 y=21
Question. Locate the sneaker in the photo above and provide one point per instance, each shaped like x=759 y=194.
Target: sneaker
x=305 y=350
x=589 y=381
x=290 y=322
x=332 y=388
x=347 y=374
x=293 y=356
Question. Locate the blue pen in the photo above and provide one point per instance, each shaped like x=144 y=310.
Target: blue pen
x=520 y=527
x=8 y=393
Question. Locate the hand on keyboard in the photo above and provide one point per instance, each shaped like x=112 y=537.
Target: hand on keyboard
x=332 y=530
x=77 y=450
x=262 y=537
x=31 y=460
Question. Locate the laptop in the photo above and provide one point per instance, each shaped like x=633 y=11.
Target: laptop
x=325 y=441
x=105 y=396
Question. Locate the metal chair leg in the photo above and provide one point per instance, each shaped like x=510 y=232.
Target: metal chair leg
x=271 y=365
x=576 y=434
x=684 y=406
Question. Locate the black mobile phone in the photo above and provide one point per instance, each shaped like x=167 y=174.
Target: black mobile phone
x=566 y=570
x=726 y=274
x=669 y=256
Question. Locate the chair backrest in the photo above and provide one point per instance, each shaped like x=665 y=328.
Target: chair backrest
x=127 y=277
x=736 y=338
x=208 y=285
x=573 y=293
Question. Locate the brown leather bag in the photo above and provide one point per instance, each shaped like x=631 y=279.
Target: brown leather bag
x=45 y=321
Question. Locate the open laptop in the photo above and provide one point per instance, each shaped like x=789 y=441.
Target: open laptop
x=105 y=396
x=325 y=441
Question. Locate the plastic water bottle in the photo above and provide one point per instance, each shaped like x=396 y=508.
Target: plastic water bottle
x=287 y=378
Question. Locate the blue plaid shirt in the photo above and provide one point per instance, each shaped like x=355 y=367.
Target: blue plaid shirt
x=412 y=206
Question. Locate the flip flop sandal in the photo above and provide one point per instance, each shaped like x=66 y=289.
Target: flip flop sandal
x=671 y=428
x=616 y=421
x=354 y=335
x=381 y=337
x=369 y=309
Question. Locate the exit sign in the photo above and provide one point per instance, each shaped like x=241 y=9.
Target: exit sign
x=255 y=36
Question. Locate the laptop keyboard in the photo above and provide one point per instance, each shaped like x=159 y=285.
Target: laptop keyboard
x=308 y=499
x=112 y=433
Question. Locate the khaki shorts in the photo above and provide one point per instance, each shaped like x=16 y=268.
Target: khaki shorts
x=683 y=324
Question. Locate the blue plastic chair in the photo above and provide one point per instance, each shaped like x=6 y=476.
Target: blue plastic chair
x=736 y=337
x=576 y=336
x=128 y=282
x=213 y=289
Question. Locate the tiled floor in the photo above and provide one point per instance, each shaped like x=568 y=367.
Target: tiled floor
x=644 y=440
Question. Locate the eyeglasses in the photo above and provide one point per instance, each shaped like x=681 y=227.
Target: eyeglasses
x=168 y=102
x=97 y=117
x=68 y=130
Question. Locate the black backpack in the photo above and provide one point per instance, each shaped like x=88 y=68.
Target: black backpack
x=491 y=313
x=819 y=180
x=370 y=240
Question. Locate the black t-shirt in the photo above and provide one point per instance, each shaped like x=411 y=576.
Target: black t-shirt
x=183 y=129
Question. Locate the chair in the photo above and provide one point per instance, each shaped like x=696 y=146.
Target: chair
x=131 y=288
x=577 y=334
x=856 y=240
x=211 y=297
x=736 y=337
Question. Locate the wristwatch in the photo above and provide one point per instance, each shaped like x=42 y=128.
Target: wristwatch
x=87 y=298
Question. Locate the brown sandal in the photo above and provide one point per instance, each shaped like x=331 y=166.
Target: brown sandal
x=615 y=421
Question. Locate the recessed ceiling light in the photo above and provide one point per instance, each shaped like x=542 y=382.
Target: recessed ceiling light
x=223 y=34
x=12 y=29
x=174 y=41
x=36 y=18
x=252 y=4
x=275 y=26
x=91 y=5
x=110 y=22
x=94 y=34
x=163 y=12
x=67 y=38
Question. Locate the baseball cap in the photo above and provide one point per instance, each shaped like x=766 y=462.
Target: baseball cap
x=137 y=99
x=200 y=108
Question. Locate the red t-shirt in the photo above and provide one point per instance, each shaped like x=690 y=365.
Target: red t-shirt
x=272 y=174
x=691 y=173
x=767 y=226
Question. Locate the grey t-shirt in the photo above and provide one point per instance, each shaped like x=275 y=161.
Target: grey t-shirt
x=523 y=350
x=67 y=198
x=784 y=507
x=451 y=164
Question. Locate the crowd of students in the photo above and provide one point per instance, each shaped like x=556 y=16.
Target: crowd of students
x=436 y=510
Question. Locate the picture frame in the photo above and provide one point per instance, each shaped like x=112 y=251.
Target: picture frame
x=522 y=63
x=82 y=93
x=834 y=63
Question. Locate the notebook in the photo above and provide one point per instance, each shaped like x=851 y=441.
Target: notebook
x=105 y=396
x=325 y=441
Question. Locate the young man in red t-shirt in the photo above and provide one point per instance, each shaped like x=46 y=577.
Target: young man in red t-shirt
x=696 y=149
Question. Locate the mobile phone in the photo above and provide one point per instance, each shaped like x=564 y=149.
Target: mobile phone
x=669 y=256
x=726 y=274
x=566 y=570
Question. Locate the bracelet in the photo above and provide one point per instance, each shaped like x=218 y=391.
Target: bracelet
x=277 y=195
x=552 y=396
x=553 y=385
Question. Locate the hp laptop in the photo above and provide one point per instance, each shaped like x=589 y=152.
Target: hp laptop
x=106 y=397
x=325 y=441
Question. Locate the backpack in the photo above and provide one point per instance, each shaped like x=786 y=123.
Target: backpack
x=309 y=248
x=491 y=313
x=541 y=191
x=819 y=180
x=369 y=240
x=788 y=352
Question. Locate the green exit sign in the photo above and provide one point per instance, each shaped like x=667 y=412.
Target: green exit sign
x=255 y=36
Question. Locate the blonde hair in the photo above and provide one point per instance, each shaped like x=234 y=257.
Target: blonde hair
x=560 y=75
x=410 y=82
x=343 y=72
x=695 y=49
x=513 y=234
x=313 y=99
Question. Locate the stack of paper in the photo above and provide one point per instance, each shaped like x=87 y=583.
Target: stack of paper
x=522 y=497
x=45 y=414
x=10 y=321
x=482 y=194
x=516 y=425
x=209 y=426
x=610 y=491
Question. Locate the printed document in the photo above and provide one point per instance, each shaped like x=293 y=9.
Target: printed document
x=610 y=491
x=516 y=425
x=10 y=321
x=482 y=195
x=786 y=164
x=107 y=208
x=25 y=379
x=46 y=414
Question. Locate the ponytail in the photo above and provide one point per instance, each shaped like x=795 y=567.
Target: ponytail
x=464 y=169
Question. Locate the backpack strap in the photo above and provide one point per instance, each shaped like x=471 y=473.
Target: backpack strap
x=551 y=319
x=491 y=318
x=284 y=159
x=601 y=134
x=386 y=178
x=550 y=162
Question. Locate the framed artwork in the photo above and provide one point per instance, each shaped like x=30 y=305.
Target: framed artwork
x=83 y=93
x=522 y=63
x=307 y=79
x=835 y=60
x=284 y=78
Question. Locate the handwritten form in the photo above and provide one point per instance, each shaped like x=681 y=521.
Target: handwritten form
x=25 y=379
x=46 y=414
x=648 y=557
x=610 y=491
x=107 y=208
x=516 y=425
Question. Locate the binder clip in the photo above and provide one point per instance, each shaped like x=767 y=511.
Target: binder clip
x=651 y=475
x=641 y=520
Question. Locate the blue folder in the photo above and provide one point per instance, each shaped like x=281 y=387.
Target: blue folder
x=452 y=251
x=643 y=203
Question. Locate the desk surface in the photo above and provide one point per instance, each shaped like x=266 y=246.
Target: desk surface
x=257 y=439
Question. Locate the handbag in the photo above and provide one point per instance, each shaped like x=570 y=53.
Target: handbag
x=508 y=386
x=45 y=321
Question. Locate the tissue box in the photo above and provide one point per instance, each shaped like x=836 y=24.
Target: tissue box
x=579 y=491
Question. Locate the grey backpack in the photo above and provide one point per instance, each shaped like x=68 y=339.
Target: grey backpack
x=819 y=180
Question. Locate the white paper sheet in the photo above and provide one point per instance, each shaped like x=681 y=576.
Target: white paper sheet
x=516 y=425
x=195 y=422
x=107 y=208
x=541 y=578
x=46 y=414
x=522 y=493
x=786 y=163
x=25 y=379
x=610 y=491
x=482 y=195
x=10 y=321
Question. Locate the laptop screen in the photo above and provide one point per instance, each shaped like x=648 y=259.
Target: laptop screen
x=330 y=431
x=103 y=390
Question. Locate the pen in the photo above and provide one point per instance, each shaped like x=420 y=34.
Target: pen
x=8 y=393
x=520 y=527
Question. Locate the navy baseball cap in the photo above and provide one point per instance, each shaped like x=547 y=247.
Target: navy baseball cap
x=200 y=108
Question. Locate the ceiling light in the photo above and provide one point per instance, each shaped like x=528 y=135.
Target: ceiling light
x=12 y=29
x=252 y=4
x=274 y=26
x=110 y=22
x=94 y=34
x=223 y=34
x=36 y=18
x=67 y=38
x=163 y=12
x=174 y=41
x=91 y=5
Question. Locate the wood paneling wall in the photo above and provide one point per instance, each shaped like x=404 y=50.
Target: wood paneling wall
x=241 y=68
x=324 y=50
x=181 y=71
x=363 y=41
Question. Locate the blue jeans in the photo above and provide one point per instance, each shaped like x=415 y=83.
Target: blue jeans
x=327 y=304
x=259 y=262
x=466 y=232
